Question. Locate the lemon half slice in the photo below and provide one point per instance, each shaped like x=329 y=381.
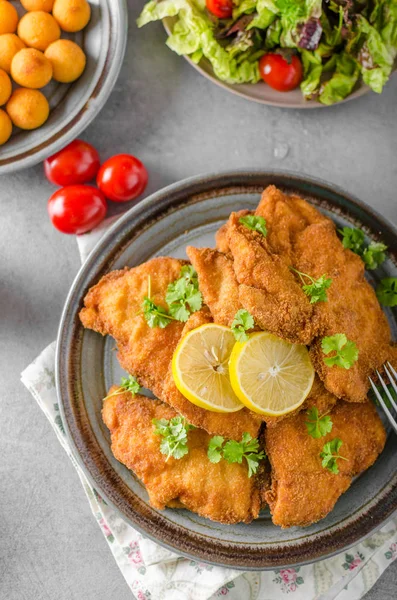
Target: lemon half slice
x=200 y=367
x=269 y=375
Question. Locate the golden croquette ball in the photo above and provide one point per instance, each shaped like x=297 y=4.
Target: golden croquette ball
x=45 y=5
x=5 y=87
x=67 y=59
x=72 y=15
x=28 y=109
x=5 y=127
x=38 y=29
x=10 y=44
x=8 y=17
x=30 y=68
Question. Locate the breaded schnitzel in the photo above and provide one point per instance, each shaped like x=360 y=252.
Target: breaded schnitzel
x=303 y=491
x=113 y=307
x=222 y=492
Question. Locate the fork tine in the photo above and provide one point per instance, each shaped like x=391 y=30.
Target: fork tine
x=382 y=403
x=387 y=392
x=394 y=386
x=392 y=370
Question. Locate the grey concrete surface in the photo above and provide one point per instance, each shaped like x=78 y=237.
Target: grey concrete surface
x=179 y=124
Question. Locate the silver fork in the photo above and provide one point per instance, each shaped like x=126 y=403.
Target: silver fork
x=393 y=380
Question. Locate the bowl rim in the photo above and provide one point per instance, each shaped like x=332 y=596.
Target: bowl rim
x=93 y=105
x=366 y=524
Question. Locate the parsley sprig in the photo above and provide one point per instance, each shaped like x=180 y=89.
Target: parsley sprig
x=386 y=291
x=330 y=455
x=318 y=426
x=346 y=351
x=234 y=452
x=242 y=322
x=317 y=289
x=127 y=384
x=255 y=223
x=174 y=434
x=155 y=315
x=183 y=295
x=373 y=255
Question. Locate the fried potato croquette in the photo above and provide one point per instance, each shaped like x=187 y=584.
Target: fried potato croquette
x=303 y=491
x=8 y=17
x=38 y=30
x=5 y=87
x=45 y=5
x=72 y=15
x=28 y=109
x=5 y=127
x=10 y=44
x=31 y=69
x=222 y=492
x=68 y=60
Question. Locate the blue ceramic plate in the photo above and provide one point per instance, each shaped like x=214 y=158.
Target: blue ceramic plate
x=164 y=224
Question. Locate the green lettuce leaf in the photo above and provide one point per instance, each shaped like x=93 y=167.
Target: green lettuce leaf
x=267 y=11
x=193 y=34
x=342 y=81
x=312 y=71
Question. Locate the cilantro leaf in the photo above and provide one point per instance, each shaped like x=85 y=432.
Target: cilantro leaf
x=183 y=295
x=346 y=351
x=235 y=452
x=352 y=238
x=387 y=291
x=174 y=434
x=242 y=321
x=128 y=384
x=317 y=289
x=156 y=316
x=318 y=426
x=214 y=452
x=255 y=223
x=330 y=455
x=374 y=255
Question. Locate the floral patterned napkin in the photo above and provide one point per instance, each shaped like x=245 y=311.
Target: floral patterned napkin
x=153 y=573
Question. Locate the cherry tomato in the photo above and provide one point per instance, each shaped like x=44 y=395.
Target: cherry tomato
x=122 y=177
x=76 y=163
x=77 y=208
x=280 y=74
x=222 y=9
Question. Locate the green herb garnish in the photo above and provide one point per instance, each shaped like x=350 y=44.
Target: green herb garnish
x=387 y=291
x=183 y=296
x=318 y=426
x=174 y=434
x=254 y=223
x=317 y=289
x=234 y=452
x=346 y=351
x=128 y=384
x=242 y=321
x=156 y=316
x=330 y=455
x=373 y=255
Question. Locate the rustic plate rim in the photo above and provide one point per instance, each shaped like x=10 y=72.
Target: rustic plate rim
x=221 y=180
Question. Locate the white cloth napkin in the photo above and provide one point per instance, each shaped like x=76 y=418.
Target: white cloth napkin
x=153 y=573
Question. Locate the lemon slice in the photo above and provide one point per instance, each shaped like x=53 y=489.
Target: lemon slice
x=200 y=367
x=269 y=375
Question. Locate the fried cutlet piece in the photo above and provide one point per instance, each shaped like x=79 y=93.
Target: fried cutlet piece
x=229 y=425
x=352 y=308
x=303 y=492
x=222 y=235
x=114 y=307
x=268 y=288
x=217 y=283
x=221 y=492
